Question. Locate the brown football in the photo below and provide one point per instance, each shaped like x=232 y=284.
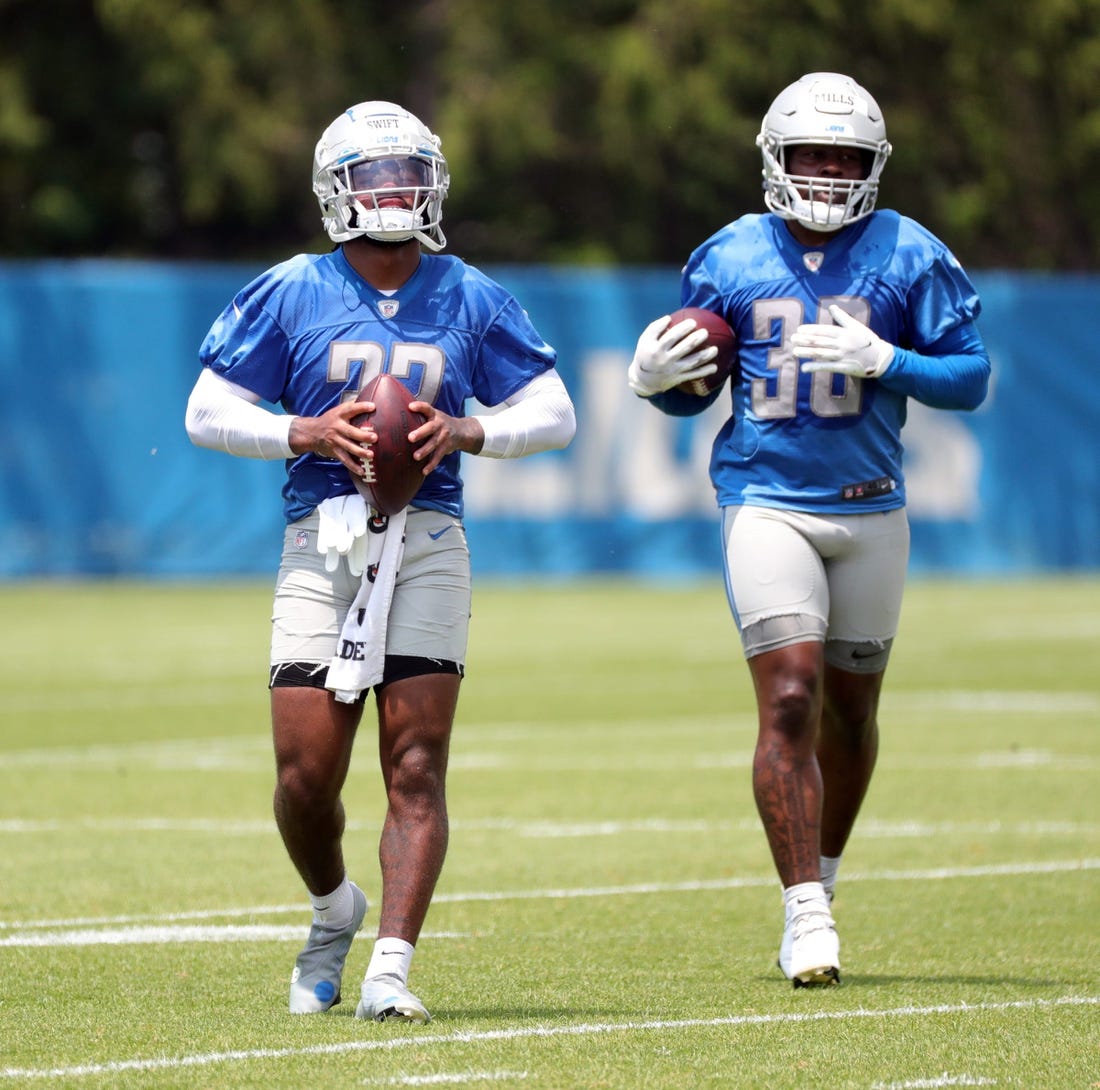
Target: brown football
x=718 y=334
x=395 y=476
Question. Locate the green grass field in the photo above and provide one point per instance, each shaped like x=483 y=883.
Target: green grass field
x=608 y=916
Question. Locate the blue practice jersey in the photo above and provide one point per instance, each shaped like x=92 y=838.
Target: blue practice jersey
x=311 y=332
x=826 y=442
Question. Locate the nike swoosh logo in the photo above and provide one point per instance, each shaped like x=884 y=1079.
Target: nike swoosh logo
x=436 y=536
x=865 y=654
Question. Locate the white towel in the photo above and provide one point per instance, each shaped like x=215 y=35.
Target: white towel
x=378 y=543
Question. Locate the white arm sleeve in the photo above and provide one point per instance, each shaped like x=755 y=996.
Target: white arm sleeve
x=538 y=417
x=224 y=416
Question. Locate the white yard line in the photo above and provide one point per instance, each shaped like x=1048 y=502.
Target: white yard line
x=935 y=1083
x=237 y=753
x=999 y=870
x=448 y=1079
x=425 y=1041
x=159 y=935
x=182 y=759
x=549 y=830
x=706 y=885
x=994 y=701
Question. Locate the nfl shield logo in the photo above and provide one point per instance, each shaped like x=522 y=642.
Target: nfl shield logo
x=388 y=307
x=301 y=539
x=813 y=260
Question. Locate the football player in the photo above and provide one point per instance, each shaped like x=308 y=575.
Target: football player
x=842 y=314
x=362 y=602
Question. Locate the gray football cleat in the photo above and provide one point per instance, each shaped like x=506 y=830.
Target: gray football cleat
x=315 y=982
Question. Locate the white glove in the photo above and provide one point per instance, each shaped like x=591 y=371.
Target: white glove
x=666 y=357
x=848 y=347
x=342 y=531
x=357 y=515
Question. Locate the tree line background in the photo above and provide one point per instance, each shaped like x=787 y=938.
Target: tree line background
x=577 y=131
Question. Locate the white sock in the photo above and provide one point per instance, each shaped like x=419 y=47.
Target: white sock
x=805 y=897
x=829 y=866
x=391 y=957
x=335 y=909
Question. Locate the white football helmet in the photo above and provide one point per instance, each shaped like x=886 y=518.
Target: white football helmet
x=822 y=108
x=378 y=171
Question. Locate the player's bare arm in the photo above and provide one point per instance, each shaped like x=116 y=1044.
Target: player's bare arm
x=442 y=435
x=333 y=435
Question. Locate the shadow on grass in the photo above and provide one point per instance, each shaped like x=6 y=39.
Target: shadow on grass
x=870 y=980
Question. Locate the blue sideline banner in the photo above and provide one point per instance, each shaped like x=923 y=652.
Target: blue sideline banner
x=97 y=476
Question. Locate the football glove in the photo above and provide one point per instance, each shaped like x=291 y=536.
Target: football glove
x=342 y=531
x=666 y=357
x=848 y=347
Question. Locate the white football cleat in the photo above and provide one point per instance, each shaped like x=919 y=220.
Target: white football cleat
x=385 y=997
x=809 y=954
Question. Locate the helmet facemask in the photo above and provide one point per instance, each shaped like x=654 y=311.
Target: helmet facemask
x=367 y=193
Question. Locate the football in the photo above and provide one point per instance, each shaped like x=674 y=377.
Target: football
x=720 y=335
x=395 y=476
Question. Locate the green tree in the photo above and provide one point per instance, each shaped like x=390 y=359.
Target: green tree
x=577 y=130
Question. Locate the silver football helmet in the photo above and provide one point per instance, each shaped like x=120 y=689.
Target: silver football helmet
x=822 y=108
x=378 y=171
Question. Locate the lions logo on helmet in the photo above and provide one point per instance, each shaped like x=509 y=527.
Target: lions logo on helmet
x=378 y=172
x=822 y=108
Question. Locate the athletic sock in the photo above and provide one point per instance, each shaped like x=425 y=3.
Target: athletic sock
x=803 y=898
x=829 y=866
x=391 y=957
x=335 y=909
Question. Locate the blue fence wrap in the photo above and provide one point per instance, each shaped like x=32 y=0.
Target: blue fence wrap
x=97 y=476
